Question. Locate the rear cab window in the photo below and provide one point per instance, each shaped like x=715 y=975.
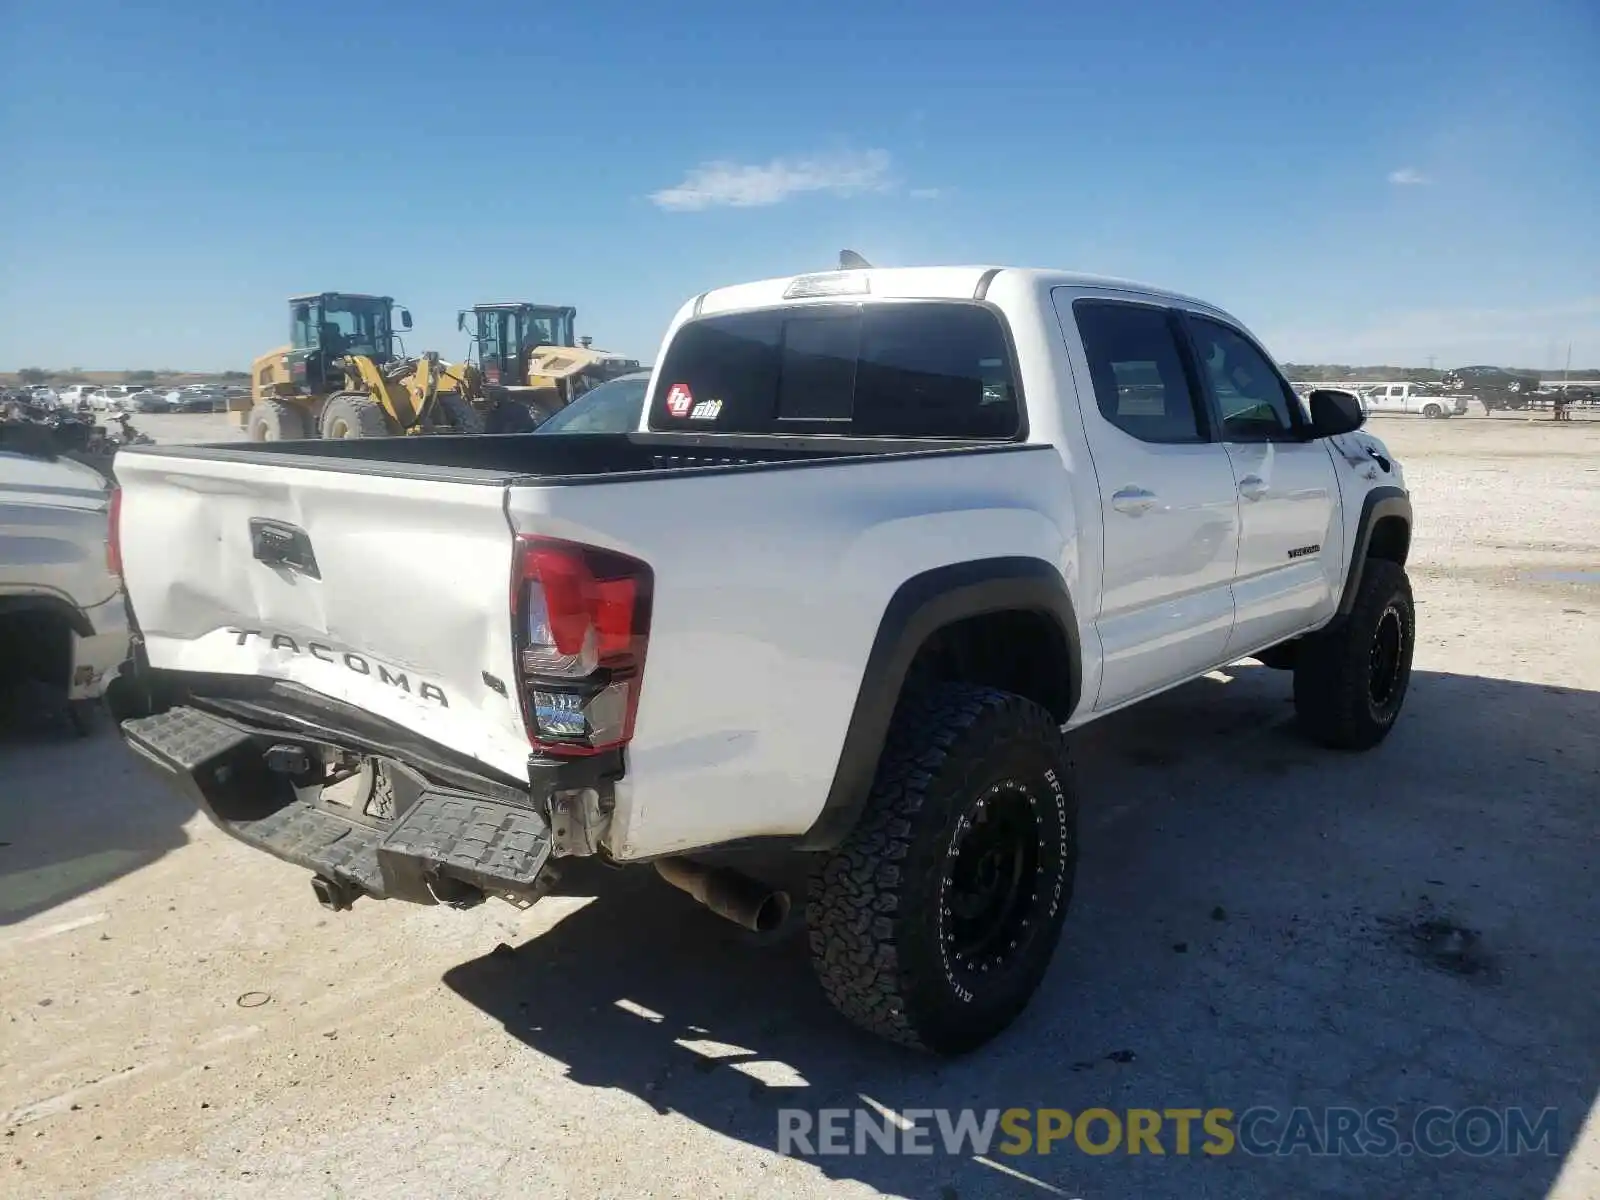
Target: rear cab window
x=895 y=369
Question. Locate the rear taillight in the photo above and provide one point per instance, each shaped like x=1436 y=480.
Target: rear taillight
x=114 y=533
x=582 y=621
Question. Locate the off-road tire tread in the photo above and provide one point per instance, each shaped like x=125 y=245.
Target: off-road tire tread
x=289 y=420
x=855 y=893
x=365 y=413
x=1330 y=674
x=462 y=415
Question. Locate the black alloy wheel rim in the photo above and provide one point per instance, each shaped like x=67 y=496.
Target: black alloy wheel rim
x=1383 y=669
x=992 y=881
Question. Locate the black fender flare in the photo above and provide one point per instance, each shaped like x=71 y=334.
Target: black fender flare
x=64 y=610
x=919 y=608
x=1380 y=503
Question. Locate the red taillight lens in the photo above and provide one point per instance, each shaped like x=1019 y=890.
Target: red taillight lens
x=582 y=621
x=114 y=533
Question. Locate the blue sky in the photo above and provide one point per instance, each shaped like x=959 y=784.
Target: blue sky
x=1360 y=182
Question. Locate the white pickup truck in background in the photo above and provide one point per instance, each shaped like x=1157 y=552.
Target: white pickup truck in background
x=1413 y=399
x=881 y=537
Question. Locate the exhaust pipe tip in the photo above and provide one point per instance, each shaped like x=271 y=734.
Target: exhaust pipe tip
x=730 y=894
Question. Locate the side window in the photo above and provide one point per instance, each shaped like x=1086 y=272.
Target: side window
x=1139 y=380
x=1250 y=396
x=300 y=332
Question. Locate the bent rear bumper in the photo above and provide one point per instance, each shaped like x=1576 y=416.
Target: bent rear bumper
x=436 y=840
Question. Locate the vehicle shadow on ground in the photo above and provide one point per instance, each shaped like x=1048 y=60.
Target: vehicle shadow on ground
x=75 y=812
x=1257 y=922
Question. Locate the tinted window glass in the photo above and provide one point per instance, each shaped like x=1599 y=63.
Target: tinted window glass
x=612 y=407
x=875 y=370
x=1139 y=381
x=934 y=370
x=1252 y=399
x=817 y=375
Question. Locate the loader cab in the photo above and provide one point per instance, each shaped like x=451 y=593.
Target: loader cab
x=504 y=334
x=329 y=325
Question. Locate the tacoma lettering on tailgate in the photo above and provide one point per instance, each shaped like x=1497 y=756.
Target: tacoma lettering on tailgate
x=350 y=660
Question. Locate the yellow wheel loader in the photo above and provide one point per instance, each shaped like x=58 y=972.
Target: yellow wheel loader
x=530 y=362
x=340 y=376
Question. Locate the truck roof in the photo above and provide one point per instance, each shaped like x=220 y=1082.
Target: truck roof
x=351 y=295
x=940 y=282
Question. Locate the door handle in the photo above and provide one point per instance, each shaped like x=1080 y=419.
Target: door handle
x=1252 y=487
x=1134 y=501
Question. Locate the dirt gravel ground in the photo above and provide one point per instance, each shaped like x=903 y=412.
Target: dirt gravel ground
x=1258 y=922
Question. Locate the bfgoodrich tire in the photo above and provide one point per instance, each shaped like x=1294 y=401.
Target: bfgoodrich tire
x=1350 y=681
x=934 y=922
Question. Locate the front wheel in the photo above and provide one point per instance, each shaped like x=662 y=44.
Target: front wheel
x=1351 y=679
x=932 y=925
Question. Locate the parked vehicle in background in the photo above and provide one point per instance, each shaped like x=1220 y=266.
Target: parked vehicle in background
x=78 y=394
x=1417 y=399
x=839 y=591
x=45 y=395
x=1495 y=387
x=62 y=620
x=611 y=407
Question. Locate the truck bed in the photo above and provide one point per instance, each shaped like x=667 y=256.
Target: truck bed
x=564 y=458
x=773 y=562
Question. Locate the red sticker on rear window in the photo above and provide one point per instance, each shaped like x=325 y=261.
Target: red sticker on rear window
x=679 y=400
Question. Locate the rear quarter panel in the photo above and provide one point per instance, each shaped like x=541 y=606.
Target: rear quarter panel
x=769 y=589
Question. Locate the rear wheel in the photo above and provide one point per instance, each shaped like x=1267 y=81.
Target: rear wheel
x=934 y=922
x=276 y=421
x=354 y=415
x=1432 y=411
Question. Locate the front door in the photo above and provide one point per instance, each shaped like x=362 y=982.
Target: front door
x=1290 y=537
x=1169 y=507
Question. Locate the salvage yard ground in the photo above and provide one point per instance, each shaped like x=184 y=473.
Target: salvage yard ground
x=1257 y=922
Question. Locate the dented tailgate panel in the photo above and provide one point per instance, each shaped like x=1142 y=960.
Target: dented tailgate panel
x=401 y=607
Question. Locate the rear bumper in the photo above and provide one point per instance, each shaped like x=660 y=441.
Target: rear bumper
x=436 y=844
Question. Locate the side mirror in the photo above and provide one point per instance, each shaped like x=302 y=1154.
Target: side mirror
x=405 y=318
x=1333 y=413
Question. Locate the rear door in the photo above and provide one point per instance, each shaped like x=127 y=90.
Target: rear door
x=1290 y=540
x=388 y=592
x=1167 y=497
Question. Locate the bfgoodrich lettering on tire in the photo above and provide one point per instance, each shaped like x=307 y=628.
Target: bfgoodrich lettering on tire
x=1351 y=680
x=933 y=923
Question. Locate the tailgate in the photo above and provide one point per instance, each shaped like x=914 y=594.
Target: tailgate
x=387 y=592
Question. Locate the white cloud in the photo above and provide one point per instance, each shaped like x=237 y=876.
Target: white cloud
x=926 y=193
x=1408 y=177
x=754 y=185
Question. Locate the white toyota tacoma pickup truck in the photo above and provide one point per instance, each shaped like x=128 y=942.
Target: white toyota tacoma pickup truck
x=881 y=538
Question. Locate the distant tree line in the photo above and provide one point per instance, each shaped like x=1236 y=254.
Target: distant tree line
x=1337 y=372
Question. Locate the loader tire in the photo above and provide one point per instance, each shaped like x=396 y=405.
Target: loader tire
x=933 y=923
x=354 y=415
x=1350 y=680
x=461 y=414
x=276 y=421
